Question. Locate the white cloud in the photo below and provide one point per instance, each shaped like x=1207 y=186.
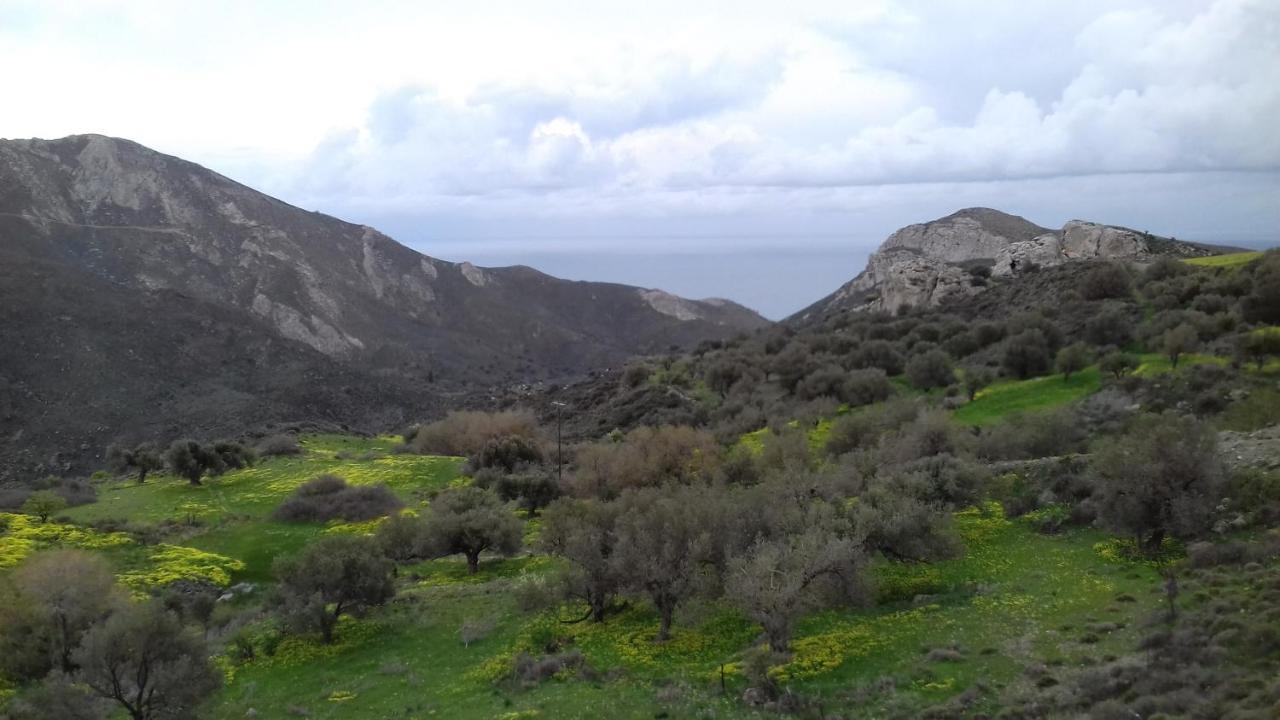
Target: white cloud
x=806 y=108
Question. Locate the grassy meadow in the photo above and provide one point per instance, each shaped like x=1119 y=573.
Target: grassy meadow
x=1014 y=597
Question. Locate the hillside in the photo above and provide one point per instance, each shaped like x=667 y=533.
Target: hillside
x=943 y=260
x=214 y=308
x=1055 y=498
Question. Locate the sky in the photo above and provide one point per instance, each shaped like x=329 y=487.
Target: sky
x=757 y=151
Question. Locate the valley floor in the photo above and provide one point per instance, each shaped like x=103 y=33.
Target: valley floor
x=965 y=628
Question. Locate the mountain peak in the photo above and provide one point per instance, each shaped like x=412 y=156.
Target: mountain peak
x=929 y=263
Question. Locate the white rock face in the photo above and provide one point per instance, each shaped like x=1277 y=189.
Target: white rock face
x=956 y=240
x=668 y=304
x=387 y=282
x=898 y=278
x=473 y=274
x=917 y=265
x=313 y=331
x=1044 y=251
x=1078 y=240
x=1083 y=240
x=925 y=264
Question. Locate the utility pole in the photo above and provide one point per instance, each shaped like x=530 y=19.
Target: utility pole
x=559 y=444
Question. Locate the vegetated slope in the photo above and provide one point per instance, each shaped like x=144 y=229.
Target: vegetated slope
x=804 y=370
x=138 y=364
x=1000 y=572
x=940 y=261
x=102 y=223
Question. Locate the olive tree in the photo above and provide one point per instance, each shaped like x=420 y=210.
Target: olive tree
x=333 y=576
x=1026 y=354
x=1262 y=304
x=1072 y=359
x=930 y=369
x=663 y=543
x=191 y=460
x=776 y=580
x=43 y=503
x=976 y=378
x=1119 y=364
x=144 y=459
x=470 y=520
x=1179 y=341
x=1161 y=479
x=1258 y=345
x=145 y=661
x=49 y=602
x=582 y=532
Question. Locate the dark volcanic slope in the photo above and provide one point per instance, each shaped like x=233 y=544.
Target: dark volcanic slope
x=168 y=277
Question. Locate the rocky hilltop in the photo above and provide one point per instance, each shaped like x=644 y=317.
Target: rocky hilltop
x=145 y=296
x=930 y=263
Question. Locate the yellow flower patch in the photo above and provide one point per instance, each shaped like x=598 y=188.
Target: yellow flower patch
x=25 y=534
x=294 y=650
x=822 y=653
x=170 y=563
x=368 y=527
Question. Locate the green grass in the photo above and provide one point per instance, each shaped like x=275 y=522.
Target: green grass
x=1155 y=364
x=232 y=512
x=997 y=402
x=1231 y=260
x=1002 y=399
x=1015 y=597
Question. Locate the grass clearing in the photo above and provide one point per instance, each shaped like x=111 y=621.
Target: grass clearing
x=230 y=515
x=999 y=400
x=1230 y=260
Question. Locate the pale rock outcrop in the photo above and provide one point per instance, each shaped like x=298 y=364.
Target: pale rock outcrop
x=668 y=304
x=473 y=274
x=899 y=278
x=1084 y=240
x=928 y=263
x=313 y=330
x=954 y=240
x=1078 y=240
x=919 y=265
x=1044 y=250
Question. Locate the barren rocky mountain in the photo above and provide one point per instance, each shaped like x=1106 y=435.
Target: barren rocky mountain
x=177 y=298
x=929 y=263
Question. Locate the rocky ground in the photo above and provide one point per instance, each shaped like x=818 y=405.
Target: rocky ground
x=1258 y=449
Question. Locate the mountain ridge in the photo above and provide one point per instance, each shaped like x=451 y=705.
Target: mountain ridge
x=160 y=247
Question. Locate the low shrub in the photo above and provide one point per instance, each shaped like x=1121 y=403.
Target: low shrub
x=276 y=445
x=465 y=433
x=329 y=497
x=530 y=671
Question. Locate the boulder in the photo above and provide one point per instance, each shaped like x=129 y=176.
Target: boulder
x=1044 y=251
x=1085 y=240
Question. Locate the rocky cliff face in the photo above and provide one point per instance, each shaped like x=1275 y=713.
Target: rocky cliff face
x=175 y=251
x=1078 y=240
x=931 y=263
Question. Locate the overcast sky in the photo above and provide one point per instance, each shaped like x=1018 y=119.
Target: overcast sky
x=756 y=151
